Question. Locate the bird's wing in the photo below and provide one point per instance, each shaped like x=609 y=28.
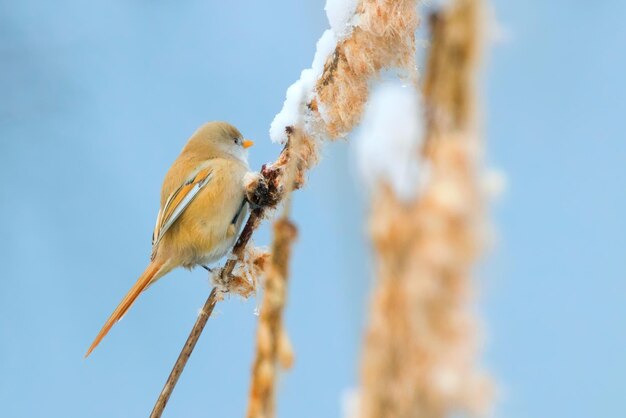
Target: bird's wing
x=177 y=202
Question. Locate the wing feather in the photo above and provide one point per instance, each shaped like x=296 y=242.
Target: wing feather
x=177 y=202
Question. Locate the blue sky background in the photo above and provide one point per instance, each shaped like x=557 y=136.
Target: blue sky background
x=96 y=100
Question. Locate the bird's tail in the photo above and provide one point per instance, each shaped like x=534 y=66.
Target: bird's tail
x=153 y=272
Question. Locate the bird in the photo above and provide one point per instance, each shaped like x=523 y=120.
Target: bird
x=202 y=209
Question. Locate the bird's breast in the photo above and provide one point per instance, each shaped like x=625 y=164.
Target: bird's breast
x=204 y=232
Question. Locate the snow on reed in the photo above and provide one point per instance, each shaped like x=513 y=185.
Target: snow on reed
x=390 y=139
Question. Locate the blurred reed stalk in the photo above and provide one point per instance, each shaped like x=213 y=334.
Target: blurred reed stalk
x=421 y=346
x=273 y=346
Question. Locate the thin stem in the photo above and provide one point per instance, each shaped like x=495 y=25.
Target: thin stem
x=185 y=353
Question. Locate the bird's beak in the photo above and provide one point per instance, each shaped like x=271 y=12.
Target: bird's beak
x=247 y=143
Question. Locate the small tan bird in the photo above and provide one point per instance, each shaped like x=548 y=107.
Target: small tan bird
x=202 y=209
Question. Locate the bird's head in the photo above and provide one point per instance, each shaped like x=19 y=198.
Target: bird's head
x=221 y=138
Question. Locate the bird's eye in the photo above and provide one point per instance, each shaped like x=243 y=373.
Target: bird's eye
x=236 y=140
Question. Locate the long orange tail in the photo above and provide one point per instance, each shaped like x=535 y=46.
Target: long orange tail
x=150 y=274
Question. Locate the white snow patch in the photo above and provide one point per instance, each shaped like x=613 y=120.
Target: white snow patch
x=291 y=111
x=497 y=33
x=340 y=14
x=301 y=92
x=350 y=400
x=494 y=183
x=325 y=46
x=390 y=138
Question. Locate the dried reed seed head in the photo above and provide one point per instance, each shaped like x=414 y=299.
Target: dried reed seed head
x=285 y=350
x=251 y=180
x=384 y=38
x=260 y=261
x=241 y=286
x=448 y=195
x=261 y=193
x=395 y=227
x=286 y=230
x=254 y=408
x=264 y=338
x=242 y=279
x=305 y=156
x=265 y=375
x=289 y=171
